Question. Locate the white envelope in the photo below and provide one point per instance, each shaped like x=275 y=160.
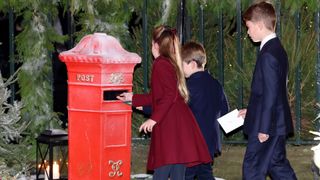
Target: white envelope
x=230 y=121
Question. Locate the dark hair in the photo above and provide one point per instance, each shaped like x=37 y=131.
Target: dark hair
x=262 y=11
x=193 y=51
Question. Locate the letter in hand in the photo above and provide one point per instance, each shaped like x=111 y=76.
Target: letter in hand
x=125 y=97
x=147 y=126
x=242 y=113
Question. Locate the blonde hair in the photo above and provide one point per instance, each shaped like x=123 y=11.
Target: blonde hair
x=193 y=51
x=169 y=46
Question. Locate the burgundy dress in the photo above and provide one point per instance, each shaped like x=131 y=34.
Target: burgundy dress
x=176 y=137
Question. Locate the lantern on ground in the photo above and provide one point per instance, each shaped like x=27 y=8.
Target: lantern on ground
x=52 y=155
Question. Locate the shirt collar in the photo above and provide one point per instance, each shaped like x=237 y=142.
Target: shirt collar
x=266 y=39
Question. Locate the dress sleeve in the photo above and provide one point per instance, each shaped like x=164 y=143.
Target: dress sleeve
x=142 y=100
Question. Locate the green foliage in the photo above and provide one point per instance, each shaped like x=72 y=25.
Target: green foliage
x=301 y=48
x=34 y=45
x=293 y=6
x=13 y=146
x=110 y=17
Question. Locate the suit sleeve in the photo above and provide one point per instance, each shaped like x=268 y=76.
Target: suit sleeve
x=270 y=77
x=225 y=103
x=192 y=88
x=147 y=110
x=164 y=89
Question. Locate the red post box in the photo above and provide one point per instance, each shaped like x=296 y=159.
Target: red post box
x=99 y=125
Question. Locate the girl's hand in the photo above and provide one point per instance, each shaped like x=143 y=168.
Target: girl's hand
x=125 y=96
x=147 y=126
x=139 y=108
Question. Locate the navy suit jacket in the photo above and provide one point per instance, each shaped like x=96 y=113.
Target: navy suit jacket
x=268 y=110
x=207 y=102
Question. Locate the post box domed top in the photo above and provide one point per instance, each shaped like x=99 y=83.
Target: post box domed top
x=99 y=48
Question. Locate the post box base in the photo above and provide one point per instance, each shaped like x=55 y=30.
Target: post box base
x=141 y=176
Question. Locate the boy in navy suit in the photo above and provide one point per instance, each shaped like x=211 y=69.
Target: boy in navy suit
x=267 y=117
x=207 y=102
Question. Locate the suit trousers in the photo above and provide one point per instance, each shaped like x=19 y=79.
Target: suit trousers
x=172 y=171
x=267 y=158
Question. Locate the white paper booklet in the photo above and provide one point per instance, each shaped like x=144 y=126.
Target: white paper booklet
x=231 y=121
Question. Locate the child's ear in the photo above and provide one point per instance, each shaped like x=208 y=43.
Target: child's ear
x=156 y=46
x=261 y=25
x=193 y=64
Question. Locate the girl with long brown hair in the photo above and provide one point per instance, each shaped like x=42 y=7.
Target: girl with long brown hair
x=176 y=140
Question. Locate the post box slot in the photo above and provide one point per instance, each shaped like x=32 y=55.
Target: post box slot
x=110 y=95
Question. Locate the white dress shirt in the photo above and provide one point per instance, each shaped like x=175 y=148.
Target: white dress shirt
x=266 y=39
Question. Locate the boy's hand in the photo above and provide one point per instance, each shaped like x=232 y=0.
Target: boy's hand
x=263 y=137
x=125 y=96
x=147 y=126
x=242 y=113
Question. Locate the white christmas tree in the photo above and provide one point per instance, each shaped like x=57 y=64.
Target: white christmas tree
x=11 y=129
